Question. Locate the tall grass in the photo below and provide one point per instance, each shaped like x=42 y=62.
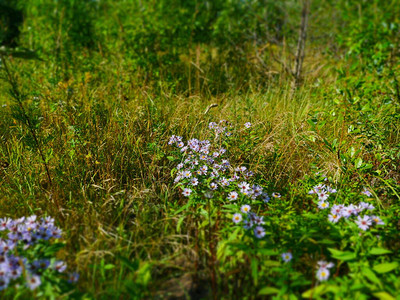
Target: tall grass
x=103 y=130
x=106 y=149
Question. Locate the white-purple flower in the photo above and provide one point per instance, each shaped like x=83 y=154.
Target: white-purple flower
x=323 y=204
x=60 y=266
x=325 y=265
x=186 y=192
x=366 y=193
x=377 y=220
x=194 y=181
x=276 y=195
x=259 y=232
x=33 y=281
x=213 y=186
x=287 y=257
x=237 y=218
x=224 y=182
x=245 y=209
x=363 y=222
x=334 y=218
x=232 y=196
x=323 y=195
x=323 y=274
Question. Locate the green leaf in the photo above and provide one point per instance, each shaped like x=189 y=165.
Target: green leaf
x=342 y=255
x=316 y=291
x=379 y=251
x=270 y=263
x=367 y=272
x=109 y=267
x=312 y=124
x=368 y=166
x=133 y=265
x=183 y=207
x=383 y=296
x=326 y=242
x=230 y=206
x=265 y=251
x=386 y=267
x=144 y=274
x=358 y=162
x=179 y=223
x=268 y=290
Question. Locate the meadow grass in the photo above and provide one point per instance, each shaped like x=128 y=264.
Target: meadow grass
x=105 y=142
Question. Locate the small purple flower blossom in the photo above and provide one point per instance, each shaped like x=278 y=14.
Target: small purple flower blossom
x=287 y=257
x=259 y=232
x=363 y=222
x=237 y=218
x=186 y=192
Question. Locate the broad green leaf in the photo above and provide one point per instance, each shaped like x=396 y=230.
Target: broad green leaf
x=268 y=290
x=368 y=166
x=109 y=267
x=234 y=234
x=379 y=251
x=386 y=267
x=316 y=291
x=367 y=272
x=342 y=255
x=270 y=263
x=357 y=286
x=267 y=251
x=326 y=242
x=384 y=296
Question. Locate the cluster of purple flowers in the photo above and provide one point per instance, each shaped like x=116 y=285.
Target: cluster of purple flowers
x=322 y=191
x=205 y=168
x=18 y=236
x=364 y=222
x=252 y=221
x=346 y=211
x=220 y=128
x=323 y=272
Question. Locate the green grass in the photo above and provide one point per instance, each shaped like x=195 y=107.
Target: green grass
x=103 y=121
x=112 y=190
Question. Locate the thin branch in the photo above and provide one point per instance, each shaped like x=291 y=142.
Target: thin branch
x=301 y=43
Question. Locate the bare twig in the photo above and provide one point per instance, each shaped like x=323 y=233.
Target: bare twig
x=301 y=43
x=209 y=107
